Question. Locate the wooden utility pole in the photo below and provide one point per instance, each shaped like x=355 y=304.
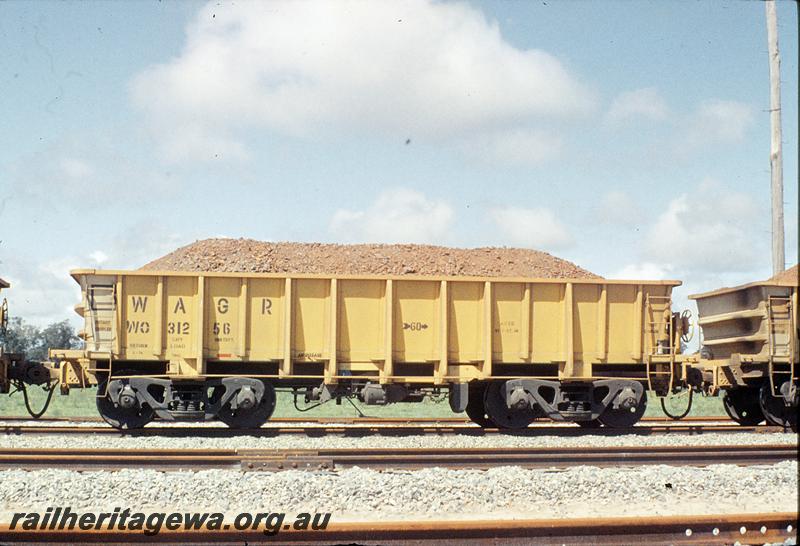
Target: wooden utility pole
x=775 y=155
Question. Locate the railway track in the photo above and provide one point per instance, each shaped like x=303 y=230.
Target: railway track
x=370 y=420
x=380 y=430
x=374 y=427
x=701 y=529
x=385 y=459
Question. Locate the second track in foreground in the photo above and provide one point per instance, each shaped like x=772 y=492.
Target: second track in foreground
x=332 y=459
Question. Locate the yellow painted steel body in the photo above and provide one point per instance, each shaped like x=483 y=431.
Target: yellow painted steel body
x=430 y=330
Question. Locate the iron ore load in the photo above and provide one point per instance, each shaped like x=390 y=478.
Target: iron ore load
x=199 y=346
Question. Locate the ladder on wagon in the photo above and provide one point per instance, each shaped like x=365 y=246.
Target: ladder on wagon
x=660 y=359
x=781 y=339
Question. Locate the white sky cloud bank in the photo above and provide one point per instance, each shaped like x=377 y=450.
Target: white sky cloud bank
x=712 y=230
x=44 y=293
x=617 y=208
x=409 y=69
x=78 y=171
x=517 y=147
x=536 y=228
x=715 y=122
x=644 y=103
x=644 y=270
x=398 y=215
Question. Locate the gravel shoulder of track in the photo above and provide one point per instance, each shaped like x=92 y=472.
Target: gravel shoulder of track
x=295 y=441
x=367 y=495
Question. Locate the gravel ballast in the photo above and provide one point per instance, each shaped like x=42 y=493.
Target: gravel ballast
x=359 y=494
x=248 y=255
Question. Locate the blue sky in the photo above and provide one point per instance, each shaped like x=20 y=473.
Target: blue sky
x=629 y=137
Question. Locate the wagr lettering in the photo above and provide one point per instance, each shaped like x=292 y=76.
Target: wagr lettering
x=221 y=328
x=178 y=328
x=222 y=306
x=139 y=304
x=138 y=327
x=179 y=306
x=266 y=306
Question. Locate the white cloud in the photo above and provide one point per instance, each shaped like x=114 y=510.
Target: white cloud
x=532 y=228
x=86 y=171
x=42 y=294
x=617 y=208
x=99 y=256
x=397 y=216
x=645 y=103
x=717 y=122
x=412 y=69
x=712 y=230
x=644 y=270
x=517 y=147
x=76 y=168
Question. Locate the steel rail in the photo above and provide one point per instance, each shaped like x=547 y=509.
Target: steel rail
x=694 y=529
x=408 y=458
x=362 y=430
x=376 y=420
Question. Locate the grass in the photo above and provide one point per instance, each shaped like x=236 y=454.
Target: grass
x=81 y=403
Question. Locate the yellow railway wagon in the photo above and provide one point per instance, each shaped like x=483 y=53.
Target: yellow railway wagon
x=750 y=336
x=215 y=345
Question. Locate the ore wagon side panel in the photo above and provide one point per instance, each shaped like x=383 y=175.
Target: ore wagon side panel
x=510 y=319
x=387 y=329
x=548 y=322
x=223 y=329
x=181 y=309
x=585 y=318
x=311 y=316
x=621 y=319
x=266 y=319
x=142 y=317
x=362 y=323
x=416 y=321
x=466 y=342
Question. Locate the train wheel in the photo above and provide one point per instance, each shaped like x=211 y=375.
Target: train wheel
x=775 y=411
x=119 y=417
x=742 y=406
x=251 y=418
x=476 y=410
x=500 y=414
x=624 y=417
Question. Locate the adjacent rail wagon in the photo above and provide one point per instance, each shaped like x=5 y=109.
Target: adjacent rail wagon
x=749 y=349
x=5 y=359
x=15 y=370
x=201 y=346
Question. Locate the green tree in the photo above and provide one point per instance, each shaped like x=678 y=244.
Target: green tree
x=34 y=342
